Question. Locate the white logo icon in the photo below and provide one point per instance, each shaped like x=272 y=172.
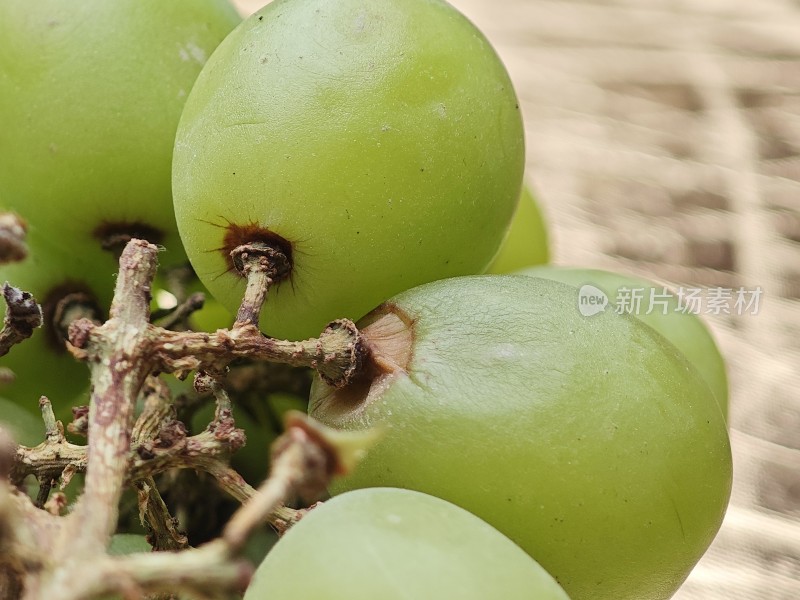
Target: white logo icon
x=591 y=300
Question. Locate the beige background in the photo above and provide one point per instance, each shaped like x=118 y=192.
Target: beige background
x=664 y=140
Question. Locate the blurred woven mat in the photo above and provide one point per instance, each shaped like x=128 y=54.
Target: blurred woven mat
x=664 y=140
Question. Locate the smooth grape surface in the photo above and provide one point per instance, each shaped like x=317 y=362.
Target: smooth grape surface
x=128 y=543
x=685 y=330
x=90 y=97
x=26 y=428
x=527 y=242
x=591 y=442
x=397 y=545
x=381 y=140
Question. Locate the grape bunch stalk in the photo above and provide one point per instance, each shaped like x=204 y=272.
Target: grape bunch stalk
x=54 y=556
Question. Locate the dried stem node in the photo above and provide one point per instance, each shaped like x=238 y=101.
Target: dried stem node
x=23 y=315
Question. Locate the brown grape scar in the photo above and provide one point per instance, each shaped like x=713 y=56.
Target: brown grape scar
x=388 y=336
x=62 y=304
x=242 y=235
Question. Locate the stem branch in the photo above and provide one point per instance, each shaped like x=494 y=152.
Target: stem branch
x=65 y=557
x=23 y=315
x=118 y=366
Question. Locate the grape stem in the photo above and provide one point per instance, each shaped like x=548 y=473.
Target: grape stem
x=158 y=444
x=303 y=462
x=337 y=354
x=19 y=520
x=162 y=527
x=64 y=558
x=163 y=531
x=23 y=313
x=23 y=316
x=118 y=374
x=261 y=265
x=300 y=465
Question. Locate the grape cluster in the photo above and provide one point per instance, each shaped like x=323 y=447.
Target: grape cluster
x=373 y=153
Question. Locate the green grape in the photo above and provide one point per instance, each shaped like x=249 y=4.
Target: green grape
x=212 y=316
x=378 y=144
x=128 y=543
x=526 y=244
x=25 y=427
x=397 y=544
x=90 y=97
x=41 y=364
x=590 y=442
x=283 y=402
x=259 y=544
x=685 y=330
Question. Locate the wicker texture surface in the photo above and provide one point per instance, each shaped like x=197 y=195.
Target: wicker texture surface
x=664 y=141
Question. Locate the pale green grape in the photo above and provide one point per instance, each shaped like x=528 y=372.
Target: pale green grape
x=26 y=428
x=90 y=97
x=212 y=316
x=128 y=543
x=397 y=545
x=527 y=242
x=590 y=441
x=685 y=330
x=379 y=144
